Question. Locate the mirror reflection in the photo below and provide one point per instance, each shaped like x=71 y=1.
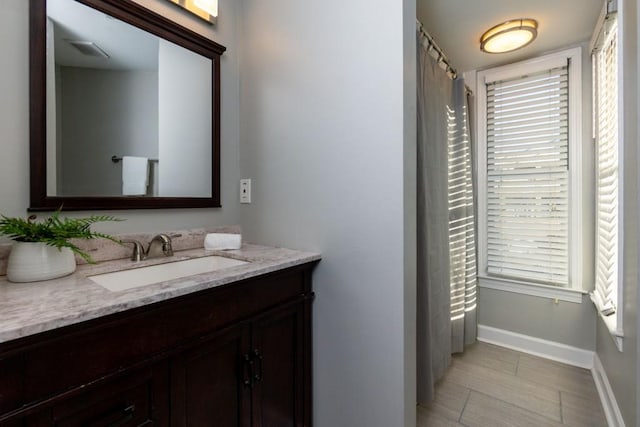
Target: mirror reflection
x=128 y=113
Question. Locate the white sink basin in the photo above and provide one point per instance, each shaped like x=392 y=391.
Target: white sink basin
x=143 y=276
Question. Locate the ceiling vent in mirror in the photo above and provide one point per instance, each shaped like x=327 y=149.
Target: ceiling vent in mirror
x=509 y=36
x=88 y=48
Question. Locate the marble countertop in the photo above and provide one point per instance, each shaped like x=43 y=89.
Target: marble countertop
x=30 y=308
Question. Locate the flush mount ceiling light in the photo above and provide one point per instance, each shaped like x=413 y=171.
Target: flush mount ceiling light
x=509 y=36
x=209 y=6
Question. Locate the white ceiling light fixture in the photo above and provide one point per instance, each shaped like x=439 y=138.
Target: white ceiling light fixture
x=205 y=9
x=509 y=36
x=209 y=6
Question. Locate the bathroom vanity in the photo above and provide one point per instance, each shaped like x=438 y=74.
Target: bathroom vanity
x=230 y=347
x=226 y=348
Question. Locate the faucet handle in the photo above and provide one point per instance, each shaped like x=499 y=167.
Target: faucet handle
x=138 y=253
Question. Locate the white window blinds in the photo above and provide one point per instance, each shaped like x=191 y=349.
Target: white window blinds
x=528 y=177
x=606 y=134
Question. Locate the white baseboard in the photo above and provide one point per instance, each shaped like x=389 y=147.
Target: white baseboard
x=538 y=347
x=608 y=399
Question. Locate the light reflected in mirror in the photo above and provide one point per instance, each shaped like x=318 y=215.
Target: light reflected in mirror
x=117 y=91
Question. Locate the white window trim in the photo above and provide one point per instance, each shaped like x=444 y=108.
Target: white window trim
x=576 y=247
x=532 y=289
x=616 y=328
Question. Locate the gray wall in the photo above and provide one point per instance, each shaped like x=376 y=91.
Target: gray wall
x=622 y=368
x=52 y=106
x=328 y=133
x=14 y=120
x=325 y=104
x=185 y=122
x=410 y=211
x=104 y=113
x=635 y=309
x=567 y=323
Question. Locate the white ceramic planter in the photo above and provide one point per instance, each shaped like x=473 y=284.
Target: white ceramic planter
x=31 y=262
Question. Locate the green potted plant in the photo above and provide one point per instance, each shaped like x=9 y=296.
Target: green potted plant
x=43 y=250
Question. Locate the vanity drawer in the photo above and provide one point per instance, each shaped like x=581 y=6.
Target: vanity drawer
x=59 y=361
x=135 y=399
x=123 y=402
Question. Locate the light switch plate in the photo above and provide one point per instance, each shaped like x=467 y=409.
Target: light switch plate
x=245 y=191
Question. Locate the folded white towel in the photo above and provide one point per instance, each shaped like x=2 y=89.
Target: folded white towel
x=135 y=175
x=222 y=241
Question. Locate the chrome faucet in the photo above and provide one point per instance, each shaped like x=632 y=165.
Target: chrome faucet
x=165 y=240
x=139 y=253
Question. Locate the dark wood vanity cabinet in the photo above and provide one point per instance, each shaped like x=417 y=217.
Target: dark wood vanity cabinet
x=250 y=375
x=236 y=355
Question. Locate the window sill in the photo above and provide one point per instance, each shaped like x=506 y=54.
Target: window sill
x=536 y=290
x=611 y=324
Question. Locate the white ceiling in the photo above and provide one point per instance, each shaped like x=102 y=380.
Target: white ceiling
x=128 y=47
x=457 y=25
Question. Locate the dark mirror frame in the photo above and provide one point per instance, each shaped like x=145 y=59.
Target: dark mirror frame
x=144 y=19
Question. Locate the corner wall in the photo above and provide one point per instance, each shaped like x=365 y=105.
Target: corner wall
x=325 y=104
x=14 y=121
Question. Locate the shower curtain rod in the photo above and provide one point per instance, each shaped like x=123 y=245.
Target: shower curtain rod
x=442 y=59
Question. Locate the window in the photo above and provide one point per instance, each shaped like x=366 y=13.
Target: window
x=605 y=131
x=528 y=177
x=529 y=169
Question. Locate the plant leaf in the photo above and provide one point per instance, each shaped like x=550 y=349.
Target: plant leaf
x=55 y=231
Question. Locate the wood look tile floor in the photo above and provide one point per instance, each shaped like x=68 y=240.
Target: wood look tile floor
x=491 y=386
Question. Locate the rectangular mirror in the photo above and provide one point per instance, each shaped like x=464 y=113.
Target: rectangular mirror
x=124 y=109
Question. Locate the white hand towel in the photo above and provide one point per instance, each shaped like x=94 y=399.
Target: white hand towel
x=222 y=241
x=135 y=175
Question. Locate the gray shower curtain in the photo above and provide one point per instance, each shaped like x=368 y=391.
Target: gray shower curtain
x=446 y=224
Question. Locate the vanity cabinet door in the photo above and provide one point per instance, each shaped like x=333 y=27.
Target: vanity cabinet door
x=278 y=364
x=208 y=382
x=252 y=375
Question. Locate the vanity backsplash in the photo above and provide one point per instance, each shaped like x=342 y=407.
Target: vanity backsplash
x=106 y=250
